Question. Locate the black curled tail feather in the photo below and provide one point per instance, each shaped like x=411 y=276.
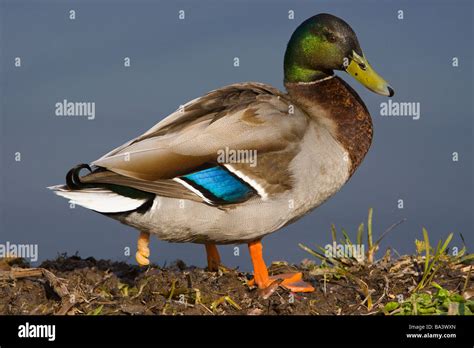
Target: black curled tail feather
x=73 y=180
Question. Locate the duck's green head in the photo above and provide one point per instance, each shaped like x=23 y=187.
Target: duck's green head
x=324 y=43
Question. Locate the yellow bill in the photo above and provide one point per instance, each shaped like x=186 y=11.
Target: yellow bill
x=360 y=69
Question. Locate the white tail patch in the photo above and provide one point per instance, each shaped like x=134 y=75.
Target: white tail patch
x=99 y=199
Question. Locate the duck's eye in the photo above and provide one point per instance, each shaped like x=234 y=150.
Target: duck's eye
x=330 y=37
x=362 y=66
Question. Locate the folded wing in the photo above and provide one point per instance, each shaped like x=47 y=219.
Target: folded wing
x=175 y=158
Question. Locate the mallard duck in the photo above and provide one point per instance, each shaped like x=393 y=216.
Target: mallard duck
x=173 y=182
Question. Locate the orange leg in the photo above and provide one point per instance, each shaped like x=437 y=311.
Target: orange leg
x=292 y=281
x=213 y=258
x=143 y=251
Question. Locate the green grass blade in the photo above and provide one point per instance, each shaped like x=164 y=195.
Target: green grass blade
x=346 y=237
x=316 y=254
x=360 y=231
x=369 y=228
x=309 y=250
x=333 y=233
x=446 y=243
x=427 y=250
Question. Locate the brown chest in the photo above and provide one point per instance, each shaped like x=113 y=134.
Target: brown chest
x=336 y=106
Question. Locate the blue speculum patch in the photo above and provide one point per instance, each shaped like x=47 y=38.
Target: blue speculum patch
x=220 y=183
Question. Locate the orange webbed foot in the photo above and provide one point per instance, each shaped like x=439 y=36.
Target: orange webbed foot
x=291 y=281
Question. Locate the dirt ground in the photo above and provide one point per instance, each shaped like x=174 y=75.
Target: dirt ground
x=76 y=286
